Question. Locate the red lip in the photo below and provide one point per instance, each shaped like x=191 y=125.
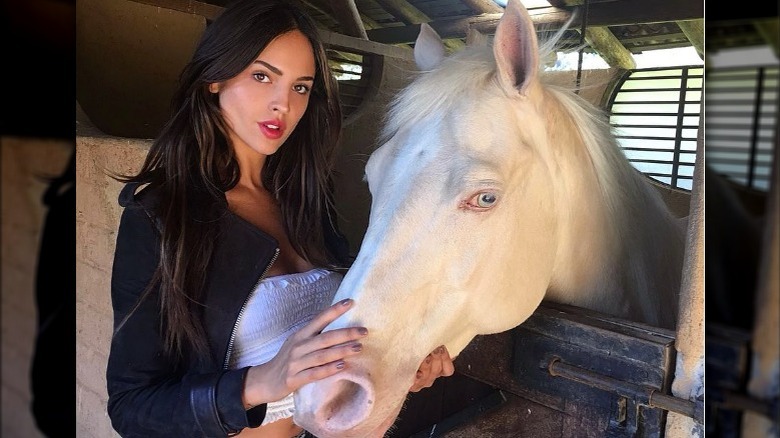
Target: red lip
x=268 y=131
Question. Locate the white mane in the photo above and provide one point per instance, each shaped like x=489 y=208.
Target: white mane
x=638 y=215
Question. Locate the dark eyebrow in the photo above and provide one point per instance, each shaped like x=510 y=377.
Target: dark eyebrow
x=279 y=72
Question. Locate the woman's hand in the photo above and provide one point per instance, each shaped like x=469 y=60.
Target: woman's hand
x=305 y=357
x=435 y=365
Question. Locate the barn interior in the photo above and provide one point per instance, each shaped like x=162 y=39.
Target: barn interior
x=128 y=54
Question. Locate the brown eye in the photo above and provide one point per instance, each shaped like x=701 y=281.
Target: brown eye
x=301 y=89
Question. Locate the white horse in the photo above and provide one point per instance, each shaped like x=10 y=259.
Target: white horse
x=492 y=192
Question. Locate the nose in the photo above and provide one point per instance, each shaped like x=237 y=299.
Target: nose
x=344 y=401
x=280 y=103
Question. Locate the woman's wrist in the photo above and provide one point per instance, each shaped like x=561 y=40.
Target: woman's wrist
x=254 y=393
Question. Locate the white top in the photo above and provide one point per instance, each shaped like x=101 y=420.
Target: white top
x=278 y=307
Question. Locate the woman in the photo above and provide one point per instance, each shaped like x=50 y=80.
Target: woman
x=225 y=260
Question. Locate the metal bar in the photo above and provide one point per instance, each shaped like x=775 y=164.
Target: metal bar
x=717 y=160
x=638 y=149
x=640 y=394
x=650 y=78
x=737 y=138
x=734 y=126
x=741 y=76
x=666 y=175
x=639 y=137
x=646 y=102
x=680 y=117
x=654 y=126
x=740 y=177
x=715 y=100
x=756 y=117
x=648 y=161
x=670 y=68
x=652 y=114
x=649 y=90
x=582 y=45
x=732 y=149
x=727 y=399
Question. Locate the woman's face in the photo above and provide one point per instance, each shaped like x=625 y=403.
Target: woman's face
x=265 y=102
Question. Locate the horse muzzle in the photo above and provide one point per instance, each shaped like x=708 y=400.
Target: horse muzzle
x=336 y=406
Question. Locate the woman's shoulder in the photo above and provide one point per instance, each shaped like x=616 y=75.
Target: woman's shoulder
x=141 y=195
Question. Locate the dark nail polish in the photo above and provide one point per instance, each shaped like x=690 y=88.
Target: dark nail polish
x=357 y=347
x=428 y=359
x=340 y=365
x=346 y=301
x=363 y=331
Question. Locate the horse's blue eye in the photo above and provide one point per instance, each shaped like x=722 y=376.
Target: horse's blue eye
x=481 y=201
x=485 y=200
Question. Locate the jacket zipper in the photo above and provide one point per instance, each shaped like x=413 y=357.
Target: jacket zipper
x=241 y=312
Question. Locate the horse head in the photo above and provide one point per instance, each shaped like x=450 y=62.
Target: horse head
x=448 y=244
x=478 y=209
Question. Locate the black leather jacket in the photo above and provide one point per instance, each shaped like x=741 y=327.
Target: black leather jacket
x=147 y=397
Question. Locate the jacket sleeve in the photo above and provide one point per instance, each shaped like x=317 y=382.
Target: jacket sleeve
x=147 y=398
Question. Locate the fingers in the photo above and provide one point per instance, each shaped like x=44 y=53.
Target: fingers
x=326 y=356
x=436 y=364
x=310 y=348
x=448 y=368
x=436 y=367
x=317 y=373
x=326 y=317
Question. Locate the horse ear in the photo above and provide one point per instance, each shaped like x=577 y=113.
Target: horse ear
x=428 y=48
x=476 y=38
x=516 y=50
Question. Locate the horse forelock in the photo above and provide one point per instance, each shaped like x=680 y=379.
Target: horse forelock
x=458 y=77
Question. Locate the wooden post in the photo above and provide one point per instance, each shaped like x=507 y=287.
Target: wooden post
x=764 y=383
x=694 y=31
x=689 y=374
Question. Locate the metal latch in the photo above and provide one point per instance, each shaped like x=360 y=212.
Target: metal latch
x=639 y=394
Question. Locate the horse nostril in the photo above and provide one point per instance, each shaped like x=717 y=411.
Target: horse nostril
x=350 y=403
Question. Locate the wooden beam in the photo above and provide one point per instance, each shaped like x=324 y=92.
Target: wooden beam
x=445 y=28
x=410 y=15
x=346 y=13
x=770 y=31
x=484 y=6
x=339 y=41
x=404 y=11
x=369 y=22
x=624 y=12
x=694 y=31
x=330 y=39
x=566 y=3
x=612 y=51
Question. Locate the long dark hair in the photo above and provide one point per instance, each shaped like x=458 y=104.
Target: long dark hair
x=194 y=164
